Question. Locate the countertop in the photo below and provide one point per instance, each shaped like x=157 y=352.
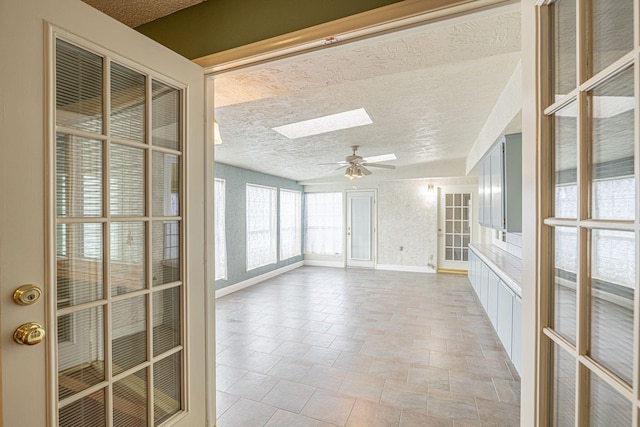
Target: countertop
x=504 y=264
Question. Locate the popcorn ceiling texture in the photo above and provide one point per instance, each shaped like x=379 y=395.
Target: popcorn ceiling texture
x=429 y=92
x=137 y=12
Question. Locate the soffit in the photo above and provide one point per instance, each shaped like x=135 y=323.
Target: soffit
x=134 y=13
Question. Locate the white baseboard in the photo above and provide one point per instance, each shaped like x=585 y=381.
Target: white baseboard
x=319 y=263
x=255 y=280
x=406 y=268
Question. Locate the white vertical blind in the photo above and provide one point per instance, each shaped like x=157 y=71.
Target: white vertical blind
x=261 y=226
x=220 y=229
x=323 y=223
x=290 y=224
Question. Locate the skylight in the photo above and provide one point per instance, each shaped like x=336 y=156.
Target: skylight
x=330 y=123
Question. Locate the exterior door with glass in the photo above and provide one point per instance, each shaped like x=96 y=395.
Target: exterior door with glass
x=361 y=229
x=454 y=227
x=97 y=216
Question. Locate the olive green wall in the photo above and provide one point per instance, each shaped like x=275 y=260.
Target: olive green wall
x=217 y=25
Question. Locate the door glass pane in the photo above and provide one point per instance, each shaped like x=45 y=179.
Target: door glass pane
x=566 y=162
x=127 y=103
x=78 y=88
x=166 y=184
x=166 y=116
x=81 y=351
x=564 y=388
x=564 y=47
x=607 y=407
x=166 y=320
x=127 y=257
x=613 y=269
x=86 y=412
x=564 y=282
x=130 y=400
x=79 y=263
x=129 y=333
x=166 y=252
x=78 y=176
x=612 y=28
x=167 y=378
x=613 y=182
x=361 y=229
x=127 y=169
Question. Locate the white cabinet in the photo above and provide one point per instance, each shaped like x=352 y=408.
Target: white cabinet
x=517 y=333
x=500 y=185
x=505 y=317
x=501 y=303
x=492 y=298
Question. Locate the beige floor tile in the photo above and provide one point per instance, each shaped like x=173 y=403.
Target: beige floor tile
x=452 y=406
x=288 y=395
x=430 y=377
x=363 y=347
x=472 y=385
x=362 y=386
x=329 y=407
x=417 y=419
x=372 y=414
x=405 y=396
x=288 y=419
x=246 y=413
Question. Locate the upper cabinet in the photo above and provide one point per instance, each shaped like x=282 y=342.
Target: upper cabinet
x=500 y=185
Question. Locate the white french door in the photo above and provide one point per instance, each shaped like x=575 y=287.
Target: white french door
x=454 y=226
x=107 y=238
x=361 y=219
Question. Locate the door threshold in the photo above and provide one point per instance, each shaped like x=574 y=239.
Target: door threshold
x=452 y=271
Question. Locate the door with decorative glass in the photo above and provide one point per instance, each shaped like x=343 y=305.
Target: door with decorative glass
x=454 y=227
x=117 y=266
x=589 y=206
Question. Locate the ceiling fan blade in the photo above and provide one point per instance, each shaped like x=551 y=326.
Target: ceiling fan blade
x=365 y=171
x=340 y=167
x=334 y=163
x=377 y=165
x=381 y=158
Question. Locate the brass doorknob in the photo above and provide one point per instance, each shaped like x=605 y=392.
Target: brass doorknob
x=31 y=333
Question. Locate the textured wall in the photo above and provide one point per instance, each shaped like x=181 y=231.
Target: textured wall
x=235 y=220
x=407 y=217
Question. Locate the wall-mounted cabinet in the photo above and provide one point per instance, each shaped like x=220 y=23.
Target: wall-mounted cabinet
x=500 y=185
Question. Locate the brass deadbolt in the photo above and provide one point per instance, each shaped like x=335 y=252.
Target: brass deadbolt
x=27 y=294
x=31 y=333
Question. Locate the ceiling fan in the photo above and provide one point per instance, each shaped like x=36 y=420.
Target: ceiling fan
x=356 y=166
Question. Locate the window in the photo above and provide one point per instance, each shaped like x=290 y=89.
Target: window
x=261 y=226
x=590 y=225
x=220 y=230
x=323 y=223
x=290 y=224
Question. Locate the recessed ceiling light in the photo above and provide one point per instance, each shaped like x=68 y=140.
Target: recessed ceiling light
x=330 y=123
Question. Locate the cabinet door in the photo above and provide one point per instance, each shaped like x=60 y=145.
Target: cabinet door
x=497 y=170
x=481 y=195
x=484 y=284
x=505 y=316
x=492 y=298
x=516 y=334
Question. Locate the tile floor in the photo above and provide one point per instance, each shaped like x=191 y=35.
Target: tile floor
x=332 y=347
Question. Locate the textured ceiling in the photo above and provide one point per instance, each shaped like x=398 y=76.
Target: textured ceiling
x=428 y=90
x=137 y=12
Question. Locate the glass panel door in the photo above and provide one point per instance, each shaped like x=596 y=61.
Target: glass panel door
x=119 y=223
x=590 y=228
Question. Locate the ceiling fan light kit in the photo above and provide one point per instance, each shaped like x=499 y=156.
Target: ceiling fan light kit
x=355 y=164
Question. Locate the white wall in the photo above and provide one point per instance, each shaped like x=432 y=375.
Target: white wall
x=407 y=217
